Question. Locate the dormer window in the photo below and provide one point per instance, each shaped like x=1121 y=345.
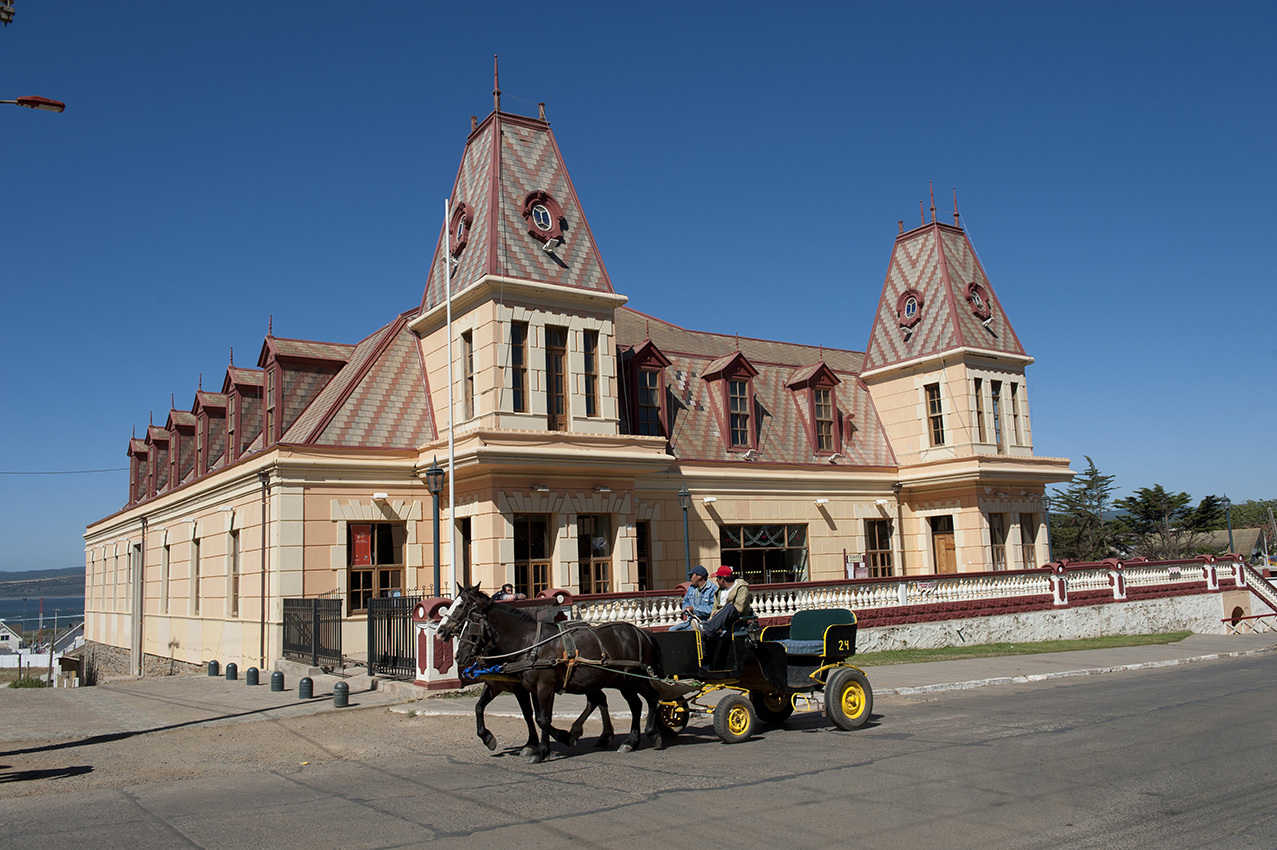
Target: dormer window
x=269 y=420
x=737 y=421
x=647 y=402
x=459 y=228
x=815 y=390
x=544 y=217
x=979 y=301
x=909 y=308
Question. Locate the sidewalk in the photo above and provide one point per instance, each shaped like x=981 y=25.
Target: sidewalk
x=171 y=702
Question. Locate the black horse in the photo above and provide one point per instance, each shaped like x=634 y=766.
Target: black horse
x=472 y=641
x=545 y=658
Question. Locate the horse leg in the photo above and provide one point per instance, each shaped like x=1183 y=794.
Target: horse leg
x=544 y=716
x=486 y=696
x=525 y=704
x=609 y=733
x=653 y=729
x=636 y=715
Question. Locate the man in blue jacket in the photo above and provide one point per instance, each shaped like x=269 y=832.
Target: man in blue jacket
x=698 y=601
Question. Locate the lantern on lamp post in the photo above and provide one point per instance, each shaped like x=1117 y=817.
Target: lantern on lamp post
x=685 y=502
x=434 y=483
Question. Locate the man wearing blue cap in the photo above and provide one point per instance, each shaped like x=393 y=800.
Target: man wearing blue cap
x=698 y=601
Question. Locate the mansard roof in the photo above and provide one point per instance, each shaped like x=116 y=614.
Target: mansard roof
x=156 y=434
x=695 y=430
x=378 y=399
x=507 y=159
x=938 y=265
x=138 y=447
x=208 y=401
x=180 y=419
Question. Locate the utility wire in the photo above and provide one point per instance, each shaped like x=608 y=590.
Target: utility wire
x=66 y=471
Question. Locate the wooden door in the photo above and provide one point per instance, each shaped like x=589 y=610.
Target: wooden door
x=946 y=556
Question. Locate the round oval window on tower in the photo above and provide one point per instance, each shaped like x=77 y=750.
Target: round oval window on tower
x=541 y=217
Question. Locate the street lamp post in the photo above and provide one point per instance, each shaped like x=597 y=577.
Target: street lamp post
x=434 y=482
x=35 y=102
x=1228 y=515
x=1050 y=551
x=685 y=502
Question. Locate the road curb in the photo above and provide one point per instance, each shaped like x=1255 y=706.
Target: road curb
x=1065 y=674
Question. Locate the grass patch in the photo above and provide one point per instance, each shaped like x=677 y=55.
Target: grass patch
x=993 y=650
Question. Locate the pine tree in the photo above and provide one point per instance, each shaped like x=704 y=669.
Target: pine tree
x=1079 y=530
x=1161 y=525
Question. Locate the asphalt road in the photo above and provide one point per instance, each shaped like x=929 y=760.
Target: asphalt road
x=1171 y=758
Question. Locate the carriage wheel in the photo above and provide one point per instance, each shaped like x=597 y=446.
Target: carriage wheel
x=673 y=716
x=848 y=699
x=734 y=719
x=772 y=708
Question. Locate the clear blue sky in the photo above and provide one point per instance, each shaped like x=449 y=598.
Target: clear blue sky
x=218 y=163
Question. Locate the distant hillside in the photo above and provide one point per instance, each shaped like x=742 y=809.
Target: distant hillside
x=41 y=583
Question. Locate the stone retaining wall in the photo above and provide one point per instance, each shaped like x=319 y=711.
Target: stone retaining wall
x=102 y=663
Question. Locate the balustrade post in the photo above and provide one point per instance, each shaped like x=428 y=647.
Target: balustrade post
x=1059 y=586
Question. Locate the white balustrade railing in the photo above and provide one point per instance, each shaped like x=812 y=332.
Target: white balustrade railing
x=656 y=609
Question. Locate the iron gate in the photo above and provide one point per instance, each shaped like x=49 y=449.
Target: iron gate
x=391 y=649
x=312 y=631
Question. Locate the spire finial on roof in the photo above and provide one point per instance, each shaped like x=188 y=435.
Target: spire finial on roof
x=496 y=86
x=648 y=329
x=957 y=221
x=932 y=189
x=541 y=111
x=922 y=212
x=232 y=355
x=474 y=123
x=738 y=340
x=134 y=436
x=270 y=325
x=172 y=401
x=150 y=418
x=900 y=226
x=200 y=387
x=822 y=352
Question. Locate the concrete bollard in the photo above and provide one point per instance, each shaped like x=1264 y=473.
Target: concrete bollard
x=305 y=688
x=213 y=669
x=341 y=695
x=232 y=672
x=250 y=677
x=276 y=682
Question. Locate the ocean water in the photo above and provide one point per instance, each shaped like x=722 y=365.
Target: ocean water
x=70 y=609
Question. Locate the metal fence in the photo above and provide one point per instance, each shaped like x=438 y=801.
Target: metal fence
x=312 y=631
x=391 y=651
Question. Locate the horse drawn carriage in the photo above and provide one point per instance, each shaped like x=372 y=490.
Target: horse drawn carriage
x=766 y=675
x=739 y=680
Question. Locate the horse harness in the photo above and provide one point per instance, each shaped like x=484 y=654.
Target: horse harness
x=569 y=659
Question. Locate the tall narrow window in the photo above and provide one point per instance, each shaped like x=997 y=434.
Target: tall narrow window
x=234 y=578
x=935 y=415
x=995 y=395
x=878 y=547
x=269 y=419
x=642 y=563
x=556 y=378
x=195 y=577
x=649 y=402
x=998 y=541
x=465 y=534
x=531 y=553
x=979 y=409
x=738 y=398
x=519 y=367
x=590 y=348
x=594 y=552
x=1015 y=414
x=164 y=567
x=467 y=374
x=232 y=427
x=824 y=403
x=1028 y=541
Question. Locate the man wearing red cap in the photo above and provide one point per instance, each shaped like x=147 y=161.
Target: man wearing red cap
x=731 y=603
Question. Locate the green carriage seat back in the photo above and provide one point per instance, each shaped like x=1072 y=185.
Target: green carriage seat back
x=807 y=629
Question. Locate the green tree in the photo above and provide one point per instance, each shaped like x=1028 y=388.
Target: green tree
x=1079 y=529
x=1162 y=525
x=1252 y=513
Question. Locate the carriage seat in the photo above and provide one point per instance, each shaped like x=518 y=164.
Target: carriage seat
x=825 y=632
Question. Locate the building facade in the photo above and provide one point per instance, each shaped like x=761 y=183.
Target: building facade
x=578 y=422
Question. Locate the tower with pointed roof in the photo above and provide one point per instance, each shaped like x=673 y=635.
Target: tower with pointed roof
x=947 y=373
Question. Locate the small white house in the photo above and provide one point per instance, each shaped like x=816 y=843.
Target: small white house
x=10 y=640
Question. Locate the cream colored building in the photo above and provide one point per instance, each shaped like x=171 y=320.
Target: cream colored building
x=578 y=422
